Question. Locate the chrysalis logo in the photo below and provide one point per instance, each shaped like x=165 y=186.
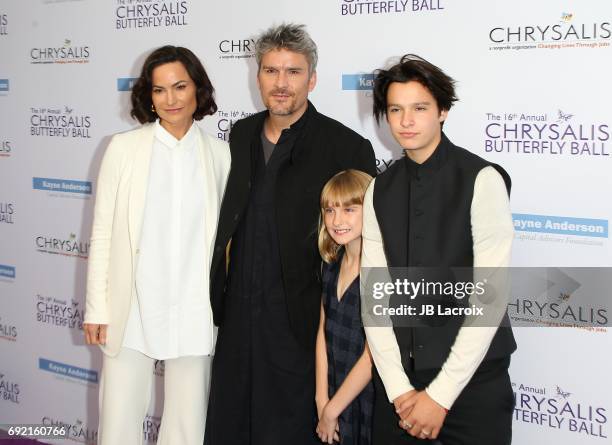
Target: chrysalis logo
x=150 y=428
x=7 y=331
x=564 y=30
x=77 y=431
x=3 y=25
x=66 y=53
x=236 y=48
x=5 y=149
x=226 y=120
x=9 y=390
x=383 y=164
x=60 y=122
x=557 y=409
x=7 y=212
x=150 y=14
x=557 y=133
x=59 y=312
x=65 y=247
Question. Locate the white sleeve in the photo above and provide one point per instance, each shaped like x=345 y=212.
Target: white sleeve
x=96 y=310
x=492 y=233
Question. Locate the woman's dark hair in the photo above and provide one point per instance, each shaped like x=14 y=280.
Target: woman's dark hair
x=141 y=92
x=413 y=67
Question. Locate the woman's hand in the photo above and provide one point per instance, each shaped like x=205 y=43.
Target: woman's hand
x=328 y=428
x=95 y=334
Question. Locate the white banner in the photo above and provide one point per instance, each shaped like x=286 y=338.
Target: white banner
x=533 y=83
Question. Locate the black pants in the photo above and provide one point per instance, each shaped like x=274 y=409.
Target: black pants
x=481 y=415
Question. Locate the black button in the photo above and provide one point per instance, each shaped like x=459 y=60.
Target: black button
x=236 y=216
x=218 y=248
x=418 y=236
x=249 y=184
x=418 y=212
x=420 y=346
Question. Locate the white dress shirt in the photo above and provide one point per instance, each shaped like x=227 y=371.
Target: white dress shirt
x=171 y=316
x=492 y=234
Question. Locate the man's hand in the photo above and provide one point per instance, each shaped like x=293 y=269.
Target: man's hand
x=95 y=334
x=421 y=416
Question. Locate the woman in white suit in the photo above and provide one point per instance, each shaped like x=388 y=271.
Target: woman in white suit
x=157 y=203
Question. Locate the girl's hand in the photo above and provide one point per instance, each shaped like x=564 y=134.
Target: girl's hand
x=320 y=405
x=328 y=428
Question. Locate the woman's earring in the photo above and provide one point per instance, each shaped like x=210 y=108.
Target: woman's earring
x=153 y=108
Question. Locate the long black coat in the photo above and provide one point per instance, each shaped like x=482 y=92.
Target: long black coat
x=324 y=148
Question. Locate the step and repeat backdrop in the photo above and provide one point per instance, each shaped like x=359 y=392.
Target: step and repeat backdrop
x=534 y=87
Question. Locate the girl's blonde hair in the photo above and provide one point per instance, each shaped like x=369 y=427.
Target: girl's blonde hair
x=344 y=189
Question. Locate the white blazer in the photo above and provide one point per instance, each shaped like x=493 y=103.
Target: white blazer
x=115 y=237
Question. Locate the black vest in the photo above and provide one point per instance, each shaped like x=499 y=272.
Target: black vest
x=423 y=211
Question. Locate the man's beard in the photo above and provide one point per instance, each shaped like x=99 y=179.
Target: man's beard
x=284 y=109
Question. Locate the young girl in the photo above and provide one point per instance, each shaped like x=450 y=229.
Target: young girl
x=344 y=391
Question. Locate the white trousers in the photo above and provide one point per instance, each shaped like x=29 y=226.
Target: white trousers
x=125 y=394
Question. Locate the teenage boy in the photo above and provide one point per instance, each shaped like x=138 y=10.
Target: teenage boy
x=440 y=206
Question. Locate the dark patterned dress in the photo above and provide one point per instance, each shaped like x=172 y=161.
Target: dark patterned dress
x=345 y=340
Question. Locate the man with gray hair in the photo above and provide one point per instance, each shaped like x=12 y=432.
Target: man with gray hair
x=266 y=284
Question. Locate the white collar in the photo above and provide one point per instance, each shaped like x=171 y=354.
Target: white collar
x=164 y=136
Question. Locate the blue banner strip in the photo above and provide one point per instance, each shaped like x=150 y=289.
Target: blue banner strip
x=357 y=81
x=68 y=370
x=126 y=83
x=562 y=225
x=7 y=271
x=62 y=185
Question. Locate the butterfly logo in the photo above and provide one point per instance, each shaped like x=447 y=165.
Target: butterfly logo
x=566 y=17
x=564 y=296
x=561 y=393
x=563 y=117
x=67 y=42
x=67 y=110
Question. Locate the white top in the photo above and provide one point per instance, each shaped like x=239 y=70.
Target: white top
x=171 y=316
x=492 y=233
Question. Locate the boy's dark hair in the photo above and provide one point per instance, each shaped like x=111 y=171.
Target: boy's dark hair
x=141 y=92
x=412 y=67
